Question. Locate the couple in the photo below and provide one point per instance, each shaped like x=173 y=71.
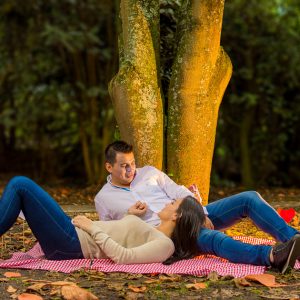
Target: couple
x=182 y=228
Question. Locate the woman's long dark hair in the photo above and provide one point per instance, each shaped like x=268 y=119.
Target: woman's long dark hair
x=190 y=219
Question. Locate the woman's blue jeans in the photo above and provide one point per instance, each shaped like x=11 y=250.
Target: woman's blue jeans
x=50 y=225
x=228 y=211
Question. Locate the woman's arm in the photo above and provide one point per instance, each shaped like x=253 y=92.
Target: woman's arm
x=154 y=251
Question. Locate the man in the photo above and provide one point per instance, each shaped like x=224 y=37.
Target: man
x=150 y=190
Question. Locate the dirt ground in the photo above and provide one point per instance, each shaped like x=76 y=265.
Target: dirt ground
x=138 y=286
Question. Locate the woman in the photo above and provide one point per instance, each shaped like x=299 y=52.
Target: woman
x=126 y=241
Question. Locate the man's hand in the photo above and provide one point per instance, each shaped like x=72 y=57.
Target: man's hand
x=83 y=222
x=138 y=209
x=194 y=189
x=208 y=223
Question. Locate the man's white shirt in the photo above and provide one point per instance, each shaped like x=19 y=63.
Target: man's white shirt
x=149 y=185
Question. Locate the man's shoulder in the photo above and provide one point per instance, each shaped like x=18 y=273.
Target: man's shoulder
x=107 y=188
x=148 y=169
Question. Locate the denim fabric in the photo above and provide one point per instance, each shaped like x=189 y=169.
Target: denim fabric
x=226 y=212
x=50 y=225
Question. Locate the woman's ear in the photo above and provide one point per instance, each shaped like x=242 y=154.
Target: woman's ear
x=176 y=215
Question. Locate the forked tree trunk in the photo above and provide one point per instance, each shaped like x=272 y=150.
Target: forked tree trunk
x=135 y=89
x=200 y=76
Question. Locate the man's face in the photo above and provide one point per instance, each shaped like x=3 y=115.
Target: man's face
x=123 y=170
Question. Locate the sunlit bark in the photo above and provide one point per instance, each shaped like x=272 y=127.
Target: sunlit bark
x=135 y=89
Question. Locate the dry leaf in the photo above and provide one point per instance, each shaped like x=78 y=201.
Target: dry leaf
x=37 y=286
x=213 y=276
x=241 y=282
x=27 y=296
x=196 y=285
x=62 y=283
x=137 y=289
x=73 y=292
x=170 y=278
x=265 y=279
x=151 y=281
x=133 y=296
x=11 y=289
x=12 y=274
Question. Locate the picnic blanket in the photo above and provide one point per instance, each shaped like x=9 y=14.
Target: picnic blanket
x=202 y=265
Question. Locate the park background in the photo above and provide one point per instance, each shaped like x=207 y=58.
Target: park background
x=56 y=116
x=57 y=58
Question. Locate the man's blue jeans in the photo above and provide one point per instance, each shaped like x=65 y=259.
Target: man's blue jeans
x=226 y=212
x=50 y=225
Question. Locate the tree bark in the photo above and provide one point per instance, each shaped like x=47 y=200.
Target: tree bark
x=135 y=90
x=200 y=75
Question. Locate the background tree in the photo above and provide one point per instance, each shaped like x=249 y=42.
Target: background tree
x=55 y=111
x=55 y=66
x=262 y=103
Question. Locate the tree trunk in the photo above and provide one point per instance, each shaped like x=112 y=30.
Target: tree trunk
x=135 y=90
x=200 y=76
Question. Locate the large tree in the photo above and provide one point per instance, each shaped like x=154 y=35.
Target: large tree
x=200 y=74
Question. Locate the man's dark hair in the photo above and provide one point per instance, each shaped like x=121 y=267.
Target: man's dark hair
x=188 y=225
x=112 y=149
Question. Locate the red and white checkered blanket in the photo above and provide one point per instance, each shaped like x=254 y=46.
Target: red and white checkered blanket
x=203 y=265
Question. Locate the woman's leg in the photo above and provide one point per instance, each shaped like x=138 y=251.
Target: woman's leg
x=219 y=244
x=226 y=212
x=50 y=225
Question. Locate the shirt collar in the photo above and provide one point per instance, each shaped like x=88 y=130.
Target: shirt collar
x=120 y=187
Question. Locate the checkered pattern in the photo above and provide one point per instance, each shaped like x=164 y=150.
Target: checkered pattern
x=202 y=265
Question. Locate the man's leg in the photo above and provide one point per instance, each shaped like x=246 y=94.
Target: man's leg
x=226 y=212
x=217 y=243
x=50 y=225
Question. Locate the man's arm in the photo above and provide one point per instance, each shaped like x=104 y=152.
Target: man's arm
x=101 y=209
x=172 y=189
x=175 y=191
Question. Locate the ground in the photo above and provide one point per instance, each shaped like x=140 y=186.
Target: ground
x=133 y=286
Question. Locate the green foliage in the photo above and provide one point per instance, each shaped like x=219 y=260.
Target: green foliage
x=262 y=39
x=55 y=62
x=57 y=57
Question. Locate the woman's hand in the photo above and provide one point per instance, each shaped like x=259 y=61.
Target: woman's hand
x=138 y=209
x=83 y=222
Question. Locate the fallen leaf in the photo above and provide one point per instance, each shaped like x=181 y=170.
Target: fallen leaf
x=137 y=289
x=117 y=286
x=70 y=292
x=151 y=281
x=213 y=276
x=37 y=287
x=169 y=278
x=62 y=283
x=133 y=296
x=27 y=296
x=11 y=289
x=196 y=285
x=12 y=274
x=133 y=276
x=241 y=282
x=265 y=279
